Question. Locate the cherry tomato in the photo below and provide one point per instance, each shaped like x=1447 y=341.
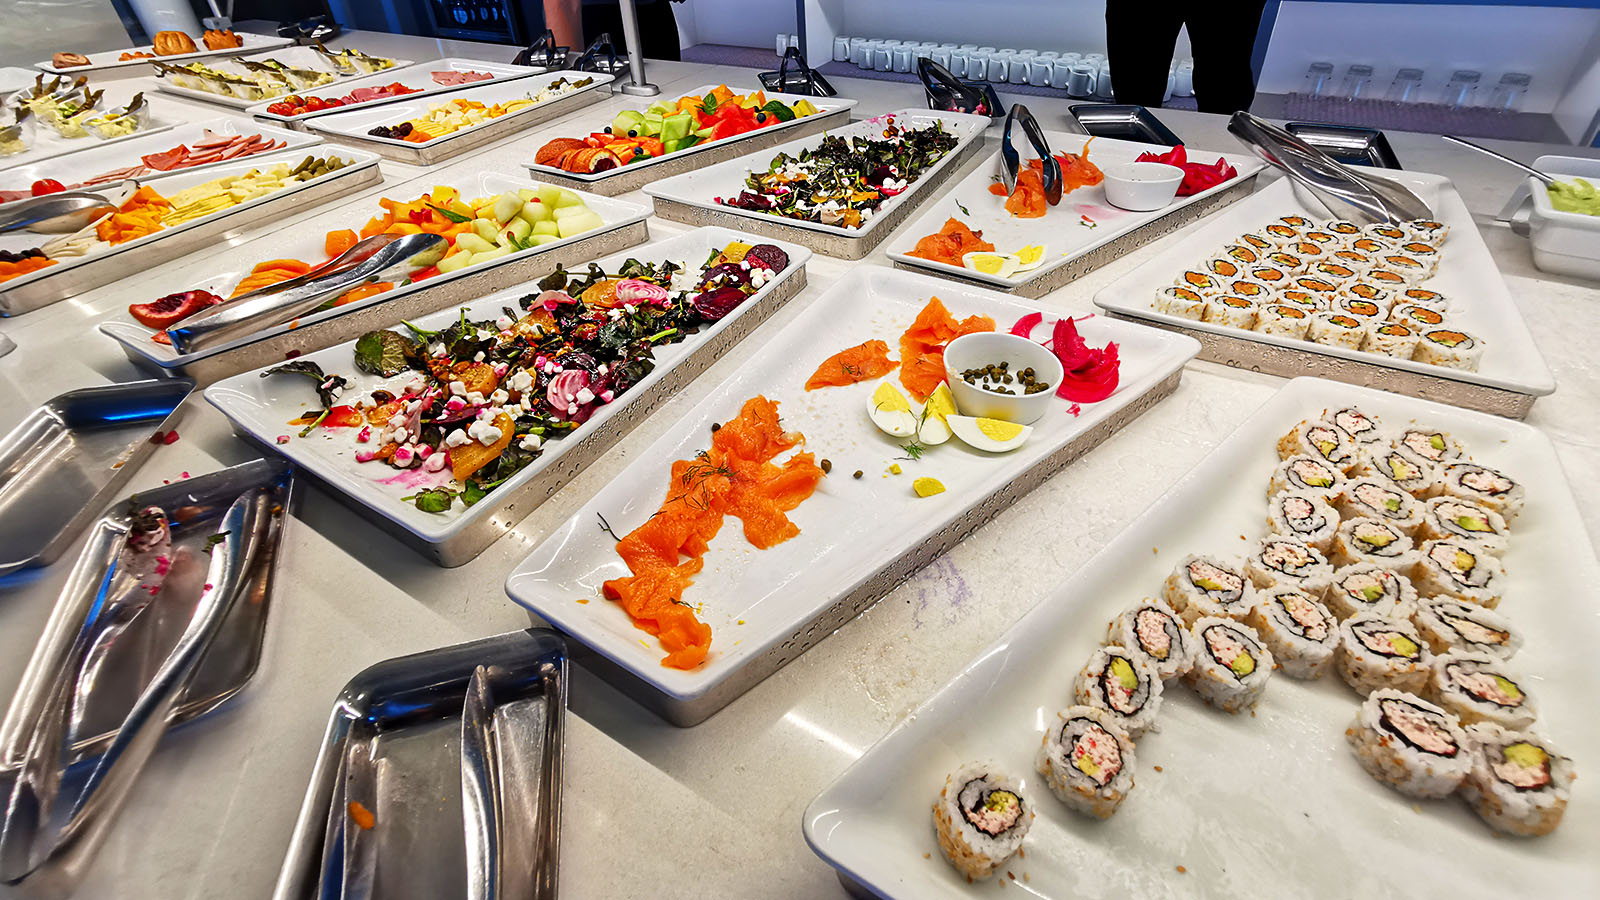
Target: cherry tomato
x=47 y=186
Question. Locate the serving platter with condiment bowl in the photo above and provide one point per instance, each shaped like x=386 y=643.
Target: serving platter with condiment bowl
x=1511 y=373
x=353 y=127
x=693 y=197
x=1274 y=799
x=858 y=536
x=299 y=57
x=1077 y=236
x=259 y=409
x=418 y=77
x=623 y=226
x=104 y=60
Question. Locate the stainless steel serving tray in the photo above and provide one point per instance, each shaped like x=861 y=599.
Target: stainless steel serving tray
x=1348 y=144
x=394 y=739
x=193 y=506
x=61 y=465
x=1125 y=122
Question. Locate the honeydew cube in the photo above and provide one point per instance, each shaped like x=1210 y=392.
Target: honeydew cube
x=455 y=261
x=486 y=228
x=568 y=198
x=585 y=221
x=527 y=194
x=548 y=226
x=472 y=243
x=518 y=229
x=487 y=255
x=540 y=240
x=549 y=194
x=506 y=207
x=535 y=211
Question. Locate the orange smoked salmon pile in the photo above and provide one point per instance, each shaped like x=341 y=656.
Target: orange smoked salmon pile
x=735 y=477
x=1028 y=202
x=863 y=361
x=952 y=242
x=922 y=346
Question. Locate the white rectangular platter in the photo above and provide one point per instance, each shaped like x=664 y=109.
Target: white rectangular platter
x=858 y=537
x=691 y=197
x=47 y=143
x=417 y=76
x=623 y=226
x=107 y=59
x=831 y=112
x=112 y=156
x=259 y=409
x=352 y=127
x=1266 y=805
x=1080 y=234
x=76 y=274
x=1511 y=374
x=297 y=57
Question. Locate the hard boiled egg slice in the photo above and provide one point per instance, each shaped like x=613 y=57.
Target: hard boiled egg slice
x=993 y=435
x=931 y=428
x=891 y=411
x=1000 y=265
x=1030 y=257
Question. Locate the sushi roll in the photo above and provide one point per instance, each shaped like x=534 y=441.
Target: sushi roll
x=1242 y=253
x=1377 y=652
x=1232 y=311
x=1323 y=238
x=1353 y=259
x=1289 y=262
x=1333 y=270
x=1484 y=485
x=1479 y=689
x=1281 y=234
x=1306 y=473
x=1198 y=280
x=1432 y=444
x=1518 y=783
x=1224 y=267
x=981 y=818
x=1425 y=252
x=1320 y=440
x=1450 y=625
x=1154 y=631
x=1385 y=277
x=1283 y=561
x=1392 y=339
x=1283 y=320
x=1421 y=296
x=1269 y=274
x=1124 y=685
x=1411 y=745
x=1316 y=286
x=1338 y=329
x=1308 y=251
x=1456 y=568
x=1305 y=515
x=1303 y=300
x=1403 y=469
x=1250 y=289
x=1183 y=302
x=1374 y=498
x=1366 y=290
x=1419 y=317
x=1368 y=245
x=1370 y=588
x=1413 y=270
x=1370 y=314
x=1449 y=348
x=1451 y=517
x=1364 y=428
x=1297 y=221
x=1435 y=233
x=1208 y=586
x=1087 y=759
x=1393 y=235
x=1300 y=632
x=1232 y=665
x=1375 y=541
x=1256 y=242
x=1345 y=229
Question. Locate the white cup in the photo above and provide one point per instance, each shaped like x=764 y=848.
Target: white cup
x=1017 y=64
x=841 y=49
x=1040 y=71
x=858 y=46
x=922 y=51
x=977 y=67
x=1183 y=79
x=1172 y=80
x=999 y=70
x=1102 y=81
x=891 y=42
x=783 y=43
x=883 y=60
x=902 y=58
x=941 y=56
x=948 y=46
x=958 y=63
x=1071 y=59
x=1050 y=54
x=1060 y=74
x=1081 y=82
x=1029 y=53
x=794 y=41
x=969 y=47
x=869 y=50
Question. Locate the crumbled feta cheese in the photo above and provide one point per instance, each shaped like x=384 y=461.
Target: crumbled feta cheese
x=457 y=438
x=474 y=398
x=531 y=441
x=521 y=381
x=499 y=397
x=457 y=388
x=503 y=322
x=483 y=433
x=584 y=395
x=436 y=462
x=478 y=357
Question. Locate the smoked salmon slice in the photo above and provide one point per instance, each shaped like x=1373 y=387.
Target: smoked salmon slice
x=922 y=346
x=858 y=363
x=950 y=243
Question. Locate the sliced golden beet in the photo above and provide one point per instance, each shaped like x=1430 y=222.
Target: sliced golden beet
x=476 y=376
x=469 y=458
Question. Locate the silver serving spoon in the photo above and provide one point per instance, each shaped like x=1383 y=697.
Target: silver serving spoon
x=1545 y=177
x=60 y=213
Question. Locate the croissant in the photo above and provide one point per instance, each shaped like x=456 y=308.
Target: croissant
x=221 y=40
x=551 y=153
x=173 y=43
x=68 y=60
x=589 y=160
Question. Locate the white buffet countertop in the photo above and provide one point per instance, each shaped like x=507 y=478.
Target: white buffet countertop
x=654 y=811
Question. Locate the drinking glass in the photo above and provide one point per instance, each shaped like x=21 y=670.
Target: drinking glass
x=1461 y=89
x=1357 y=82
x=1406 y=87
x=1509 y=92
x=1319 y=76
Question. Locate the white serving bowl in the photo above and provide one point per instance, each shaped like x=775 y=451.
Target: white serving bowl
x=1141 y=186
x=975 y=351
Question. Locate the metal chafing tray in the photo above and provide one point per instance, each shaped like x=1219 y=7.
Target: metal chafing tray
x=1348 y=144
x=1127 y=122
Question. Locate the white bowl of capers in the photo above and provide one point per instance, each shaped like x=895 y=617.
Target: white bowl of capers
x=1001 y=376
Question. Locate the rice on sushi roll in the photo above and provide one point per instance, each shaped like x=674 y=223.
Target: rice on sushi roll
x=1518 y=783
x=1432 y=444
x=1154 y=630
x=1301 y=633
x=981 y=818
x=1375 y=498
x=1362 y=427
x=1317 y=286
x=1319 y=440
x=1306 y=515
x=1434 y=232
x=1392 y=235
x=1334 y=271
x=1410 y=744
x=1414 y=270
x=1392 y=339
x=1449 y=348
x=1345 y=229
x=1256 y=242
x=1416 y=316
x=1361 y=539
x=1180 y=301
x=1124 y=685
x=1368 y=245
x=1425 y=252
x=1354 y=260
x=1452 y=517
x=1450 y=625
x=1481 y=484
x=1366 y=290
x=1224 y=267
x=1283 y=320
x=1308 y=251
x=1478 y=689
x=1197 y=280
x=1421 y=296
x=1322 y=238
x=1368 y=313
x=1370 y=588
x=1303 y=300
x=1203 y=585
x=1242 y=253
x=1385 y=277
x=1232 y=665
x=1295 y=220
x=1403 y=469
x=1250 y=289
x=1232 y=311
x=1281 y=234
x=1087 y=760
x=1289 y=262
x=1457 y=568
x=1306 y=473
x=1337 y=329
x=1377 y=652
x=1284 y=561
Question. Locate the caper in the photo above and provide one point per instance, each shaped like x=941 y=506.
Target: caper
x=857 y=474
x=827 y=466
x=715 y=427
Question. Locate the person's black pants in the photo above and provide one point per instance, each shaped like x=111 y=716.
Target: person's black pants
x=658 y=28
x=1140 y=37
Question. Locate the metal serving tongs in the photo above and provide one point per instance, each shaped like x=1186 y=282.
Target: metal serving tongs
x=60 y=213
x=286 y=300
x=480 y=789
x=1011 y=161
x=55 y=844
x=1361 y=196
x=543 y=52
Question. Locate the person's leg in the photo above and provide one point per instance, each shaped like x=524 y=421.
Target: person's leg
x=1223 y=38
x=1139 y=41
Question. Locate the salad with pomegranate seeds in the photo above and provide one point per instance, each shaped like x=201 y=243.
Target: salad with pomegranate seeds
x=459 y=410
